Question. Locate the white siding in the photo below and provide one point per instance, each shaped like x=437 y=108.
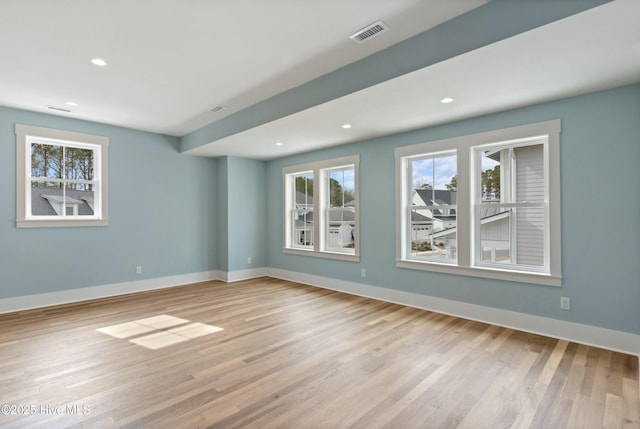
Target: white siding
x=529 y=221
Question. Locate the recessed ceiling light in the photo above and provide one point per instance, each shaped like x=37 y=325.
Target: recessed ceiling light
x=71 y=103
x=346 y=126
x=99 y=62
x=279 y=143
x=446 y=100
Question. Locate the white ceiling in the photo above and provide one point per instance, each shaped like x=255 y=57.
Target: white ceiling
x=171 y=61
x=590 y=51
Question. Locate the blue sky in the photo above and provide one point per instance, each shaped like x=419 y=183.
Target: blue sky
x=444 y=167
x=346 y=178
x=488 y=163
x=439 y=170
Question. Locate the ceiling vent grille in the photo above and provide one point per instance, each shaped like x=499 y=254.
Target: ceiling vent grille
x=369 y=32
x=59 y=109
x=216 y=109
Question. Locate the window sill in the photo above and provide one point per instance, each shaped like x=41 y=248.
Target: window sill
x=325 y=255
x=50 y=223
x=487 y=273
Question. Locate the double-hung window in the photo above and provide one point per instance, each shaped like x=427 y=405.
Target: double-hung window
x=321 y=209
x=510 y=205
x=61 y=178
x=485 y=205
x=431 y=207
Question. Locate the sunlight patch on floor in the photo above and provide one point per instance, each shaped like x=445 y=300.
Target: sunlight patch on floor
x=156 y=332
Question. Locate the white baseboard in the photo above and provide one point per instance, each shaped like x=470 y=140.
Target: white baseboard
x=236 y=276
x=26 y=302
x=584 y=334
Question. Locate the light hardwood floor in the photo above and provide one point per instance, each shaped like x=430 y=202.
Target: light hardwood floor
x=267 y=353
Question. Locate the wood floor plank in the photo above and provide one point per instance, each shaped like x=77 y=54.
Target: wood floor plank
x=267 y=353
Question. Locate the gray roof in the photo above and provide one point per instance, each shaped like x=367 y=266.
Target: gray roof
x=304 y=199
x=341 y=215
x=41 y=197
x=417 y=217
x=439 y=197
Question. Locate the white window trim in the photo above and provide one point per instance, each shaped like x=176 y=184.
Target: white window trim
x=464 y=147
x=407 y=214
x=24 y=133
x=319 y=247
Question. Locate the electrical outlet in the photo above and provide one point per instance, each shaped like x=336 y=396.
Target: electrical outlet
x=138 y=269
x=248 y=259
x=363 y=273
x=565 y=303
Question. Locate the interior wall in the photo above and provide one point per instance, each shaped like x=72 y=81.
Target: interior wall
x=162 y=215
x=600 y=211
x=174 y=214
x=241 y=207
x=247 y=221
x=222 y=210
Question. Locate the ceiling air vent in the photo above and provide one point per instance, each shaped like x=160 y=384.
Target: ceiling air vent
x=216 y=109
x=59 y=109
x=369 y=31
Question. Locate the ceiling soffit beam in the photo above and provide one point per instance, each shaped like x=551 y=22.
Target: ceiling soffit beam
x=487 y=24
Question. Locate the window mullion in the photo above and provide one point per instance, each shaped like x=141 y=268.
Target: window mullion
x=463 y=207
x=318 y=208
x=408 y=202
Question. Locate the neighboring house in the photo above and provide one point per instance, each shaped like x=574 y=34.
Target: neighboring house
x=303 y=234
x=52 y=202
x=433 y=228
x=444 y=218
x=341 y=223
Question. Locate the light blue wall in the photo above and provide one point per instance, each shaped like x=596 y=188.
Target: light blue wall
x=247 y=220
x=222 y=210
x=162 y=209
x=174 y=214
x=600 y=159
x=241 y=220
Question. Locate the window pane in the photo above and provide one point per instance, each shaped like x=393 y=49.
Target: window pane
x=529 y=173
x=54 y=199
x=433 y=214
x=302 y=214
x=522 y=168
x=304 y=190
x=46 y=161
x=341 y=226
x=342 y=187
x=78 y=163
x=435 y=173
x=512 y=235
x=530 y=226
x=46 y=199
x=303 y=228
x=81 y=197
x=490 y=175
x=495 y=234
